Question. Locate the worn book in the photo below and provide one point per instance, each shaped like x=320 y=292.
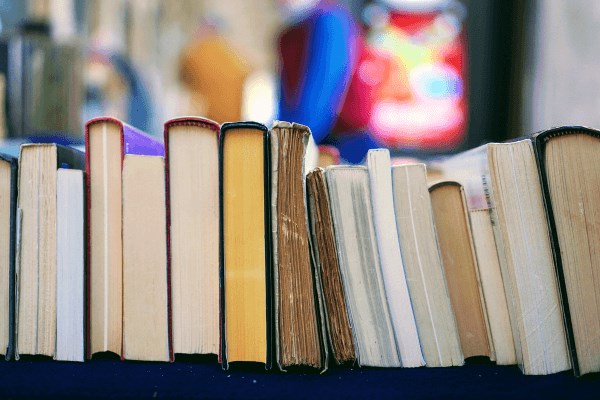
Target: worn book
x=192 y=184
x=37 y=247
x=246 y=273
x=358 y=254
x=392 y=266
x=8 y=227
x=455 y=240
x=429 y=295
x=337 y=323
x=299 y=335
x=107 y=141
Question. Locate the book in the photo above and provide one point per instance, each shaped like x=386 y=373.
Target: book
x=429 y=295
x=8 y=227
x=70 y=281
x=529 y=271
x=146 y=333
x=192 y=184
x=568 y=158
x=455 y=240
x=107 y=141
x=37 y=248
x=339 y=332
x=392 y=267
x=470 y=169
x=297 y=294
x=246 y=272
x=356 y=243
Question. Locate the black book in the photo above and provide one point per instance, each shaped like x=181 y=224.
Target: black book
x=246 y=295
x=570 y=176
x=8 y=211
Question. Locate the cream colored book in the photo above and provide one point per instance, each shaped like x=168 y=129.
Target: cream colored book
x=435 y=320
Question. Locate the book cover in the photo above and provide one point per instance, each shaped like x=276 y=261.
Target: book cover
x=9 y=351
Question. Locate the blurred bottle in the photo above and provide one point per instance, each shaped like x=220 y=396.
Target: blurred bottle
x=43 y=79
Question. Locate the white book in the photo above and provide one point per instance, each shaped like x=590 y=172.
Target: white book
x=70 y=241
x=390 y=257
x=359 y=265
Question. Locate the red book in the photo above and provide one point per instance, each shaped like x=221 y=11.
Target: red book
x=107 y=142
x=192 y=198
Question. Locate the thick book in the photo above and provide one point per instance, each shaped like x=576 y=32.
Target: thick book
x=8 y=227
x=107 y=141
x=146 y=334
x=529 y=269
x=337 y=323
x=429 y=295
x=461 y=270
x=356 y=243
x=192 y=184
x=37 y=247
x=470 y=169
x=70 y=281
x=299 y=334
x=392 y=266
x=246 y=272
x=568 y=165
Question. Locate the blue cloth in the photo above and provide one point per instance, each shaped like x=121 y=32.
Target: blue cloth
x=327 y=72
x=116 y=379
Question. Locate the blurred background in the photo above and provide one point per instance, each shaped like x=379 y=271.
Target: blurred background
x=420 y=77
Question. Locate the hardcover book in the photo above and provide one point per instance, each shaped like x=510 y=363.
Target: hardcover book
x=246 y=273
x=193 y=248
x=299 y=335
x=568 y=165
x=8 y=227
x=107 y=141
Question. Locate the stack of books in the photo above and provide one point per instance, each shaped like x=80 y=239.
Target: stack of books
x=227 y=240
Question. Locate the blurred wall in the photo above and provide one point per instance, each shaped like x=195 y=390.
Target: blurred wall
x=562 y=75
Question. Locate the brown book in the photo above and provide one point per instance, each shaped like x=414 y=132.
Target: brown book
x=145 y=305
x=245 y=260
x=327 y=265
x=460 y=267
x=298 y=334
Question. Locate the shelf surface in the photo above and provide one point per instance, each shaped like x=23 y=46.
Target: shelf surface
x=201 y=379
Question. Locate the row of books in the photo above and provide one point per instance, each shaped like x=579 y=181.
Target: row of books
x=228 y=241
